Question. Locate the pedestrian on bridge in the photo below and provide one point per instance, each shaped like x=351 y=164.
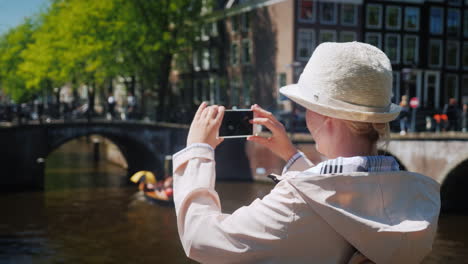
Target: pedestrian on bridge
x=353 y=207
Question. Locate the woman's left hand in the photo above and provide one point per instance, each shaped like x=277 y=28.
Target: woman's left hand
x=205 y=125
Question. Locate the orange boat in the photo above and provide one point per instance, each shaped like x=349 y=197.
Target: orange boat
x=156 y=191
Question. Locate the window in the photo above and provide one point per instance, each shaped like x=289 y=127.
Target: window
x=349 y=14
x=374 y=16
x=465 y=55
x=347 y=36
x=452 y=54
x=214 y=29
x=214 y=58
x=453 y=21
x=281 y=83
x=431 y=90
x=393 y=17
x=234 y=54
x=410 y=49
x=234 y=24
x=246 y=52
x=206 y=59
x=465 y=89
x=234 y=96
x=246 y=90
x=215 y=93
x=374 y=39
x=205 y=33
x=245 y=22
x=454 y=2
x=306 y=44
x=435 y=53
x=392 y=47
x=412 y=18
x=396 y=87
x=451 y=87
x=436 y=21
x=327 y=36
x=328 y=13
x=306 y=11
x=196 y=60
x=465 y=24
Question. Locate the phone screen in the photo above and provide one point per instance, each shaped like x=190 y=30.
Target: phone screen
x=236 y=124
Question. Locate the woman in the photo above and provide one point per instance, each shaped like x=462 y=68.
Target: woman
x=354 y=207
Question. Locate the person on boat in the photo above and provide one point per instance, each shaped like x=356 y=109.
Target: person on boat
x=354 y=207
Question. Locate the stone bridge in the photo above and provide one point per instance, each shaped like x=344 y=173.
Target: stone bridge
x=144 y=146
x=443 y=157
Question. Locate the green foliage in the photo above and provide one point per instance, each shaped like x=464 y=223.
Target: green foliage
x=90 y=42
x=11 y=46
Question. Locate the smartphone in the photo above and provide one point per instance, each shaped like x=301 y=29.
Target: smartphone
x=236 y=124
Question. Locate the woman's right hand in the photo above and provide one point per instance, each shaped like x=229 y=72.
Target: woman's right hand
x=279 y=142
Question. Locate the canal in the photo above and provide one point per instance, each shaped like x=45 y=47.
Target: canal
x=88 y=214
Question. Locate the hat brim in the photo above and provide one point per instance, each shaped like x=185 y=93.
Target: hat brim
x=292 y=92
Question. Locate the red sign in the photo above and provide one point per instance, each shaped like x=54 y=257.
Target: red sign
x=414 y=102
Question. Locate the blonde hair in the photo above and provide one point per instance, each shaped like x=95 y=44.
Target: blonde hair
x=375 y=132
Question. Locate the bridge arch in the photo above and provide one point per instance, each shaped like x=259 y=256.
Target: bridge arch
x=139 y=154
x=452 y=191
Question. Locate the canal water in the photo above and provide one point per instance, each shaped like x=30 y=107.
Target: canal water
x=88 y=214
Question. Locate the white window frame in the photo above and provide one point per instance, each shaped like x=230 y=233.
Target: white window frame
x=465 y=44
x=456 y=57
x=440 y=54
x=335 y=13
x=314 y=13
x=416 y=51
x=243 y=53
x=398 y=48
x=387 y=24
x=418 y=26
x=442 y=20
x=196 y=60
x=321 y=32
x=436 y=88
x=314 y=42
x=396 y=87
x=378 y=35
x=206 y=57
x=343 y=33
x=355 y=11
x=380 y=16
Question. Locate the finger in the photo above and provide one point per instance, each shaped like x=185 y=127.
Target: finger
x=208 y=112
x=214 y=112
x=200 y=110
x=219 y=115
x=261 y=112
x=272 y=126
x=261 y=140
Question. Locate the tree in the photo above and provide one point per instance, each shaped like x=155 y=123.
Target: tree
x=11 y=46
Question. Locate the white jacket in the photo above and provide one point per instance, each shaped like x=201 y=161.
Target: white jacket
x=390 y=217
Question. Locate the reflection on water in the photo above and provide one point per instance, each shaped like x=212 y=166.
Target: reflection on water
x=84 y=222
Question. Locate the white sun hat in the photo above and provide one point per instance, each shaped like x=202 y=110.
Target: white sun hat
x=350 y=81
